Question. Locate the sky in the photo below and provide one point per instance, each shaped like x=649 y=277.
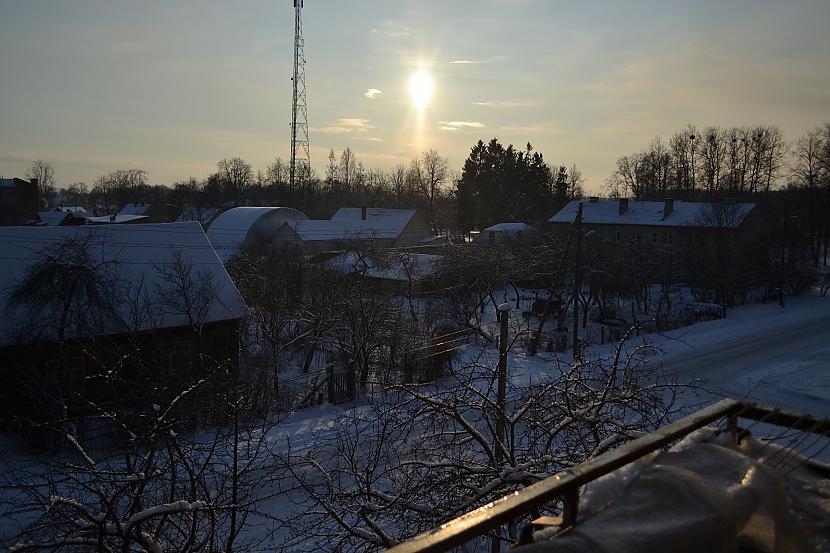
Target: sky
x=174 y=86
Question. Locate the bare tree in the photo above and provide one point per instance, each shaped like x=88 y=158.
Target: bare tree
x=397 y=184
x=408 y=462
x=45 y=175
x=434 y=172
x=237 y=175
x=807 y=169
x=119 y=187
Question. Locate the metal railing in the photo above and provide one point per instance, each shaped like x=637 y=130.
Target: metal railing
x=565 y=484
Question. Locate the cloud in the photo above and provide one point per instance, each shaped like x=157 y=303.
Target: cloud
x=526 y=128
x=345 y=126
x=372 y=92
x=506 y=104
x=362 y=124
x=477 y=62
x=392 y=29
x=455 y=125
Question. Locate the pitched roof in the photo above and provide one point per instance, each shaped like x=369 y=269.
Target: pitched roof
x=135 y=209
x=683 y=214
x=114 y=219
x=133 y=257
x=348 y=224
x=75 y=210
x=313 y=230
x=52 y=217
x=509 y=227
x=382 y=217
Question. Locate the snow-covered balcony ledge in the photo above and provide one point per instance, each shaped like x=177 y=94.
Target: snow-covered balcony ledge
x=498 y=519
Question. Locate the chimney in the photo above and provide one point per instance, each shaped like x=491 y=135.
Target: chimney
x=593 y=199
x=668 y=207
x=623 y=205
x=362 y=213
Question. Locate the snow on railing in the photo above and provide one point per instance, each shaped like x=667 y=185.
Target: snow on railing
x=565 y=485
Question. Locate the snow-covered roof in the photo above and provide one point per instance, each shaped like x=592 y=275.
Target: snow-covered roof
x=312 y=230
x=683 y=214
x=52 y=217
x=135 y=209
x=133 y=255
x=348 y=224
x=509 y=227
x=418 y=265
x=201 y=214
x=382 y=217
x=229 y=231
x=114 y=219
x=75 y=210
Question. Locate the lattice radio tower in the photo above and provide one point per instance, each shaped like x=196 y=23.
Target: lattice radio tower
x=300 y=158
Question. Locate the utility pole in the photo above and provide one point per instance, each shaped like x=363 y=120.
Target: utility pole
x=577 y=280
x=300 y=168
x=783 y=255
x=504 y=315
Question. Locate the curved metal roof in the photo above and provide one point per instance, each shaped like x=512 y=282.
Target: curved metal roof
x=229 y=231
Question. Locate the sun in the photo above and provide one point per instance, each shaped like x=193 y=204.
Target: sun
x=420 y=88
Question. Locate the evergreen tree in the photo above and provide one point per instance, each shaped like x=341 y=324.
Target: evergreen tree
x=501 y=184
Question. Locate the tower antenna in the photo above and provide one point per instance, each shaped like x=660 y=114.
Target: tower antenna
x=300 y=157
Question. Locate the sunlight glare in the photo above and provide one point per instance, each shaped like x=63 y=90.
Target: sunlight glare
x=420 y=88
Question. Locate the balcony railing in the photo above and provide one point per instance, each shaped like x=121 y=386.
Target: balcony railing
x=565 y=485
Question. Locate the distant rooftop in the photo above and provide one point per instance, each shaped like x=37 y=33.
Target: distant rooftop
x=682 y=214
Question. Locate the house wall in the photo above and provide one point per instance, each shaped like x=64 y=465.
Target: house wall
x=416 y=230
x=18 y=203
x=48 y=380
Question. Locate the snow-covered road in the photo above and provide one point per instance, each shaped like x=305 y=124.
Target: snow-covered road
x=761 y=352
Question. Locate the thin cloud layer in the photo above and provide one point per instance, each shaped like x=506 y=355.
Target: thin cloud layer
x=477 y=62
x=455 y=125
x=372 y=92
x=345 y=126
x=506 y=104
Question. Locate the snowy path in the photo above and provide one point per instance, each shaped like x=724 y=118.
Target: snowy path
x=761 y=352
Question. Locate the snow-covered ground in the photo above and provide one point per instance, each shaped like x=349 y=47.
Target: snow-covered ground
x=760 y=352
x=764 y=353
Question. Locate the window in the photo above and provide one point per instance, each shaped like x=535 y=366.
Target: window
x=666 y=238
x=619 y=236
x=638 y=236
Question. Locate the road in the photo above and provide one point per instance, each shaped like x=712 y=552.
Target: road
x=775 y=357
